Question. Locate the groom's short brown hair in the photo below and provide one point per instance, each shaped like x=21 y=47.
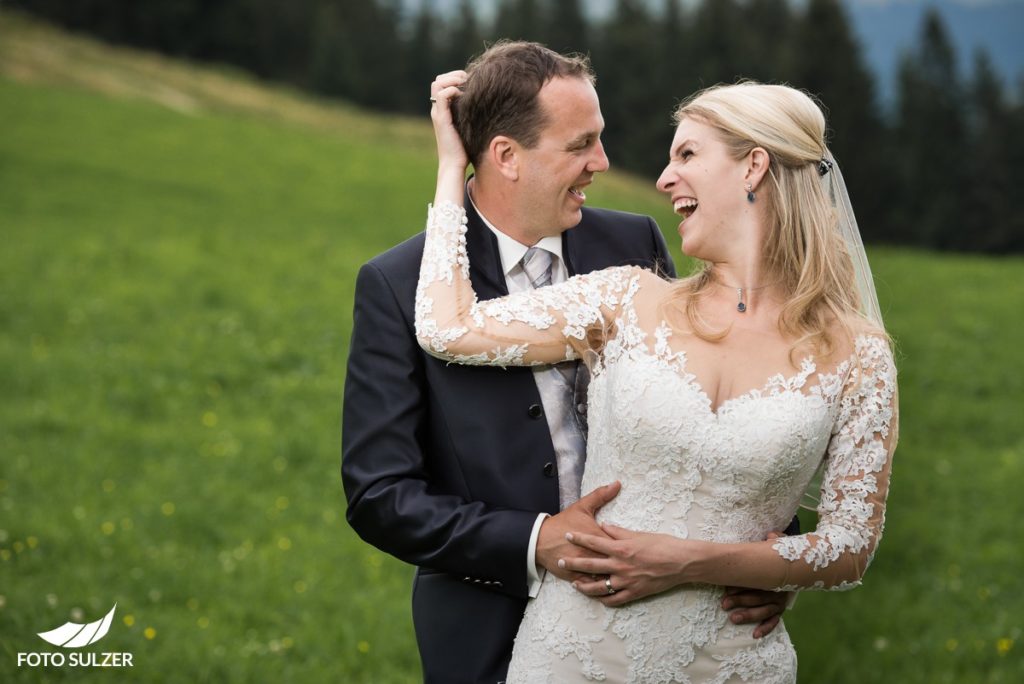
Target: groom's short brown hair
x=500 y=95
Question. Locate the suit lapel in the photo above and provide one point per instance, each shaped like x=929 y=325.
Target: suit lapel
x=485 y=261
x=573 y=252
x=485 y=270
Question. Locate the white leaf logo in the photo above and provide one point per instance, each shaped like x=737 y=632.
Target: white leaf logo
x=74 y=635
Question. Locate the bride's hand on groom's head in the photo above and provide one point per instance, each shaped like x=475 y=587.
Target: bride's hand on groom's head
x=552 y=544
x=450 y=149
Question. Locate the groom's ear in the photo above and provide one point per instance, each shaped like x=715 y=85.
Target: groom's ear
x=503 y=153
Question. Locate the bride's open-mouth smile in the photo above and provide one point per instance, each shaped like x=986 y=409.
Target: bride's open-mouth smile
x=685 y=207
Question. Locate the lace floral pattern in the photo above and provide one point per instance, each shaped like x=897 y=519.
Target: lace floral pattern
x=850 y=520
x=495 y=330
x=726 y=475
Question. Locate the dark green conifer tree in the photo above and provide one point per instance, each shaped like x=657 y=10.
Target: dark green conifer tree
x=991 y=220
x=931 y=133
x=421 y=61
x=830 y=68
x=1014 y=144
x=673 y=51
x=331 y=63
x=356 y=52
x=717 y=44
x=565 y=27
x=636 y=128
x=519 y=20
x=765 y=51
x=465 y=38
x=671 y=81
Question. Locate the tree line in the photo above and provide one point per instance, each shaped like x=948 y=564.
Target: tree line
x=936 y=171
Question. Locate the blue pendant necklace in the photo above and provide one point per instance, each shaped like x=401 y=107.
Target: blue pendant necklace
x=741 y=305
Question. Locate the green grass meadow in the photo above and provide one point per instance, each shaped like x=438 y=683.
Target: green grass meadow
x=178 y=250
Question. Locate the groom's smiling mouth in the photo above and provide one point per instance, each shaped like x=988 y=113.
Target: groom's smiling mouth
x=577 y=191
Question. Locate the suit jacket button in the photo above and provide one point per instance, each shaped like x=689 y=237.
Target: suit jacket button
x=535 y=411
x=549 y=469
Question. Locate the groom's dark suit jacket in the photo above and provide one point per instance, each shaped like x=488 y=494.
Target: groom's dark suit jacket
x=446 y=466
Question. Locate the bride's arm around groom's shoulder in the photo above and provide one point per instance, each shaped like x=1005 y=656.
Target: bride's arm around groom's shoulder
x=535 y=327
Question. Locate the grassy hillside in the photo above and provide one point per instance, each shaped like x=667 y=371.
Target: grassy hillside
x=179 y=252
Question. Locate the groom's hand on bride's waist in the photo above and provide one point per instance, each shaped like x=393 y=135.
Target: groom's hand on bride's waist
x=747 y=606
x=750 y=606
x=580 y=516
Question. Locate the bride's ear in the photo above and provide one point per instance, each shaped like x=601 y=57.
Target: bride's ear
x=757 y=166
x=503 y=153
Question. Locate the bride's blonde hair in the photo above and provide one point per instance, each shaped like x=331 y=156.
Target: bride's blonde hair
x=803 y=251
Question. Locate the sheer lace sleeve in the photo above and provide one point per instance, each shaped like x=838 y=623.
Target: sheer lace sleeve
x=855 y=482
x=540 y=326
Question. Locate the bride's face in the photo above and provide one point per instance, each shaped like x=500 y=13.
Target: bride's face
x=706 y=187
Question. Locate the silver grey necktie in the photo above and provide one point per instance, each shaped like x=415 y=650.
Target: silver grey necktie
x=557 y=386
x=537 y=264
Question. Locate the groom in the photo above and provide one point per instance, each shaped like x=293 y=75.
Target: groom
x=473 y=473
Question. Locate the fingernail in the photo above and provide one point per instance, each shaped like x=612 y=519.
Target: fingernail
x=727 y=604
x=737 y=617
x=561 y=563
x=575 y=586
x=568 y=535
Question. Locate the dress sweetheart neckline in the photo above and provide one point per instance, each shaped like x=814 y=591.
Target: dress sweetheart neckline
x=777 y=384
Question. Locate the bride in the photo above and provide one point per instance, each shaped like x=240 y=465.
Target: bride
x=714 y=399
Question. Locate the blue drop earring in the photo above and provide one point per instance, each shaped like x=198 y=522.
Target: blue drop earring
x=750 y=193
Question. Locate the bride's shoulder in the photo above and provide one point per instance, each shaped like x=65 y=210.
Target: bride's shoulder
x=645 y=278
x=653 y=286
x=855 y=337
x=652 y=278
x=864 y=332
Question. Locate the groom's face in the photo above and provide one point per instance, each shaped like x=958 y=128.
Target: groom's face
x=555 y=172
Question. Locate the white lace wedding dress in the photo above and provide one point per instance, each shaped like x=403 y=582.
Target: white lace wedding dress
x=730 y=474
